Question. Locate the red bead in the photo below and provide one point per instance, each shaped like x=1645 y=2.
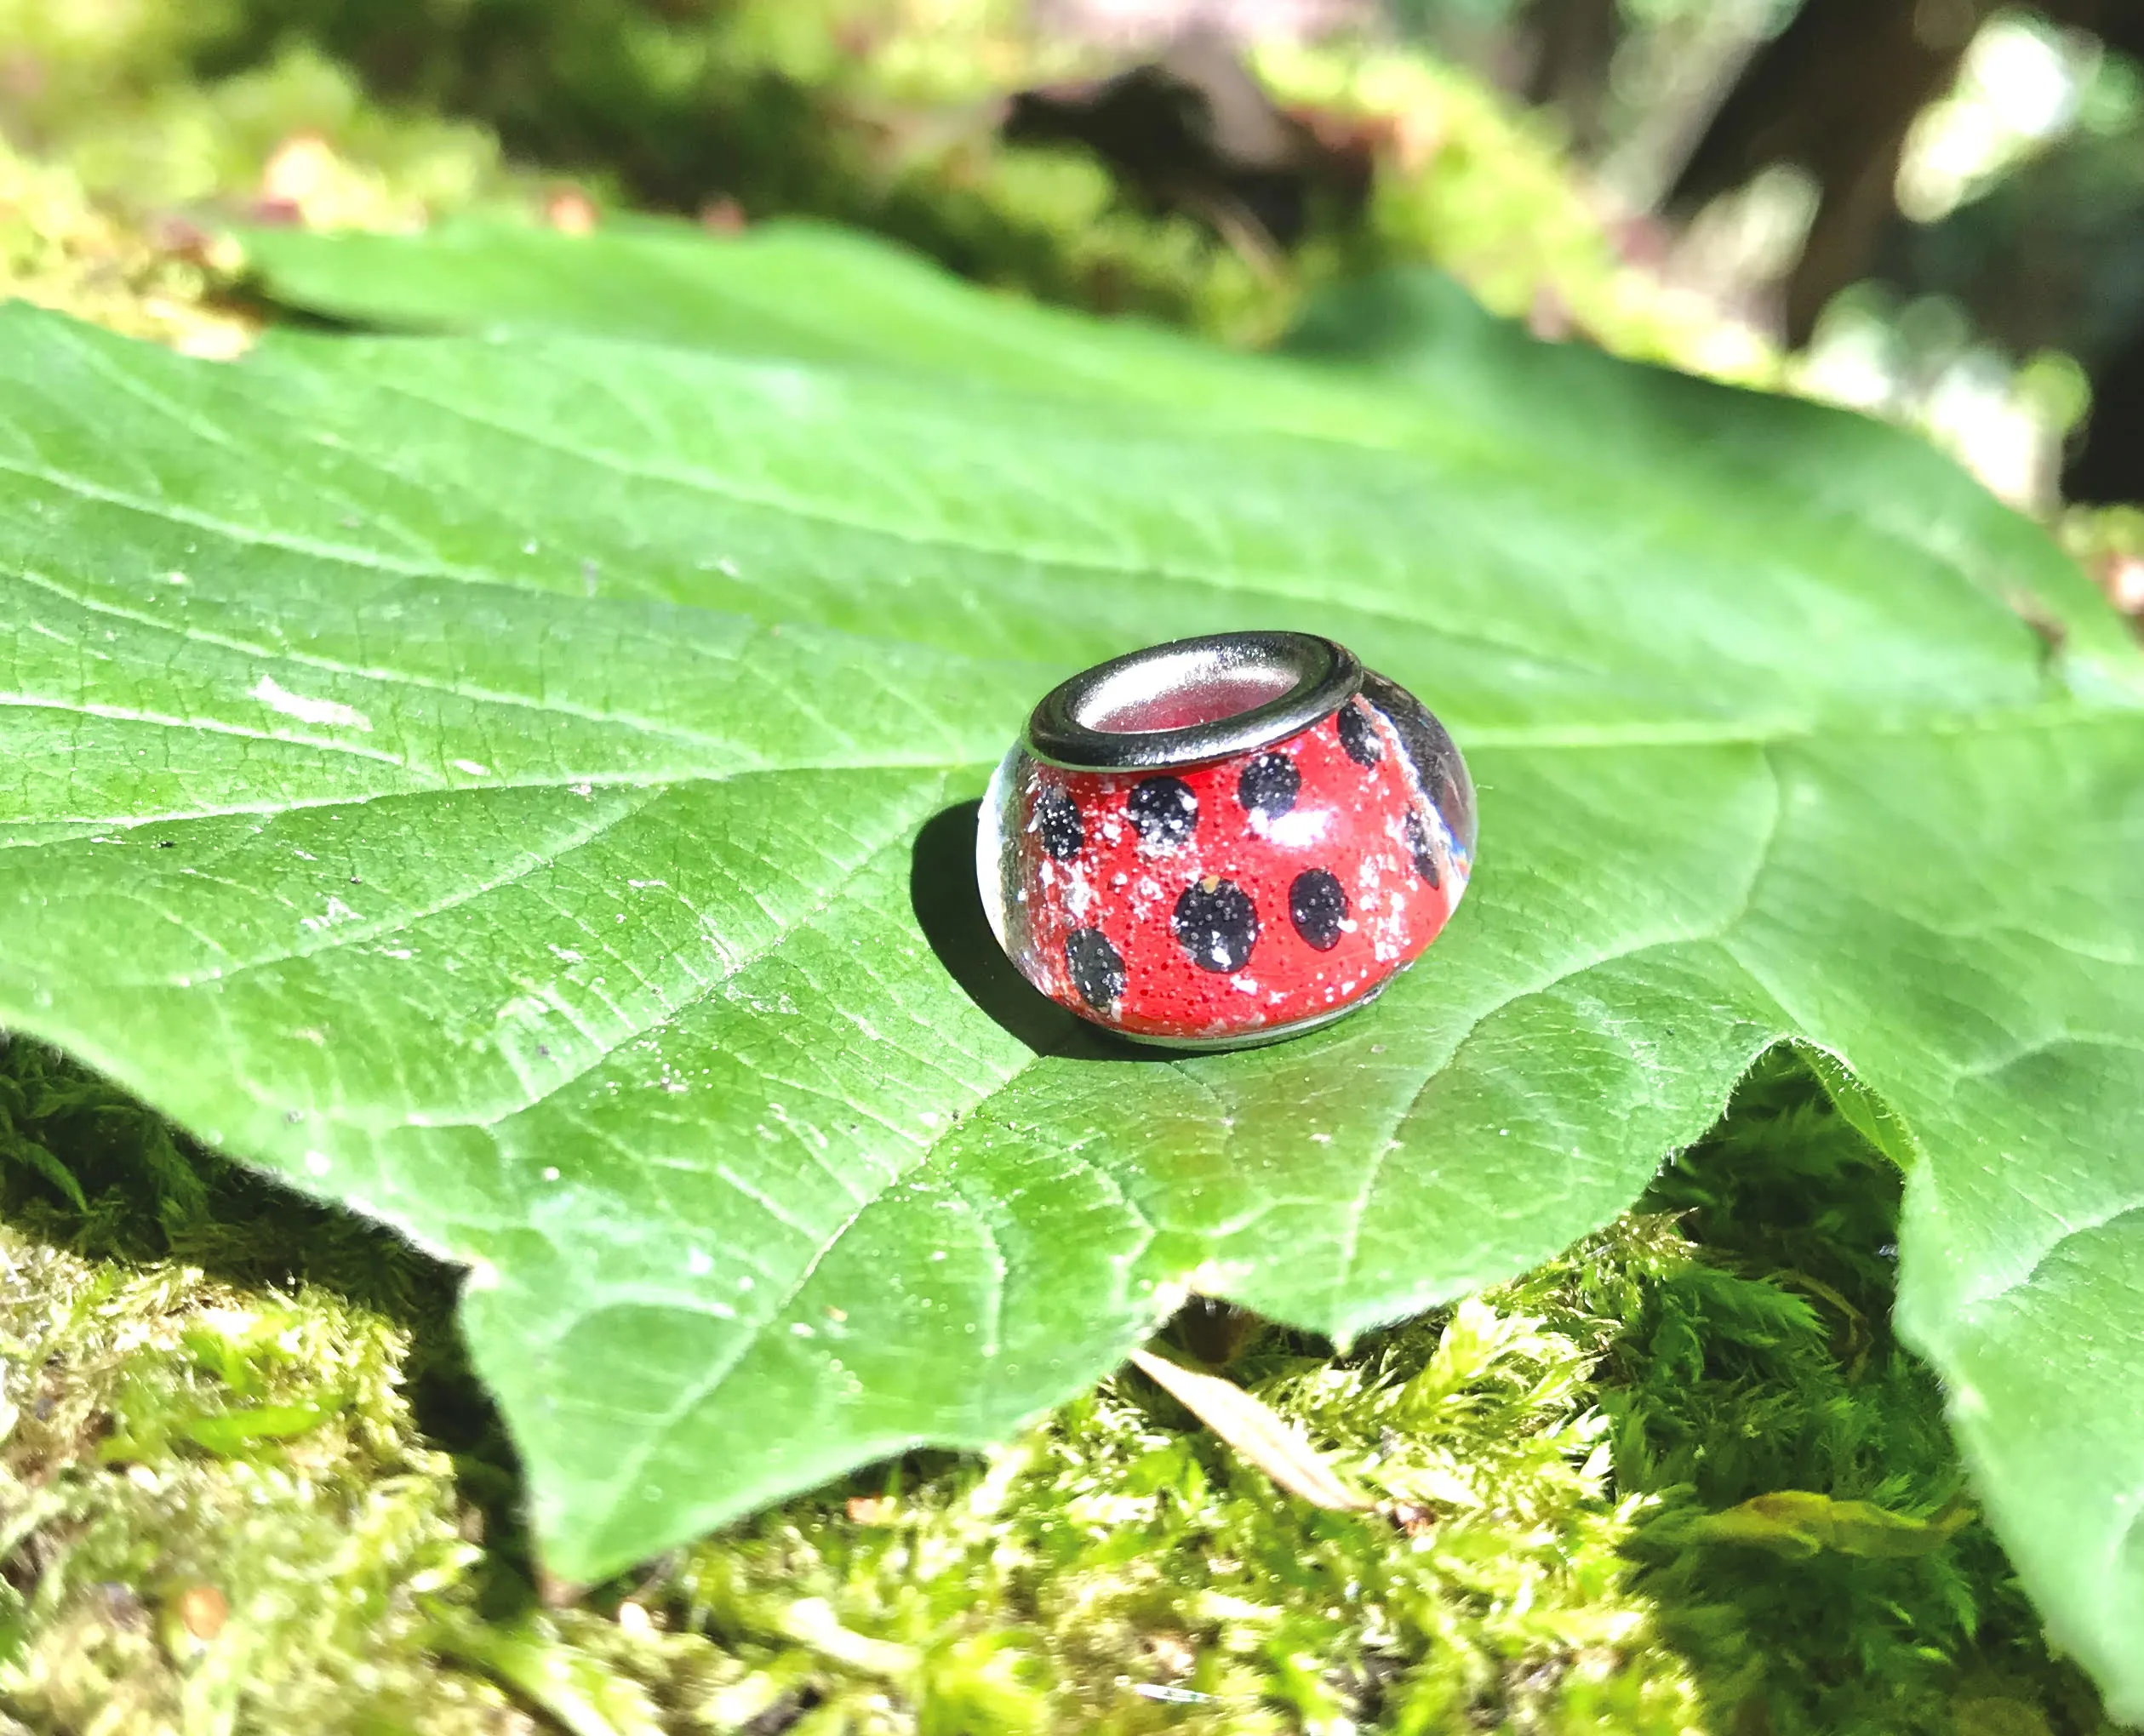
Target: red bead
x=1240 y=898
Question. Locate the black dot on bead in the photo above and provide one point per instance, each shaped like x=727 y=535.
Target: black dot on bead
x=1317 y=906
x=1269 y=785
x=1217 y=923
x=1057 y=824
x=1097 y=968
x=1359 y=736
x=1165 y=810
x=1423 y=848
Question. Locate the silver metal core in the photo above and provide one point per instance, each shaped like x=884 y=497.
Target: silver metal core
x=1191 y=701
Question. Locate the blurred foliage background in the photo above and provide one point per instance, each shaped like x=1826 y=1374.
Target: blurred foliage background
x=1930 y=208
x=222 y=1411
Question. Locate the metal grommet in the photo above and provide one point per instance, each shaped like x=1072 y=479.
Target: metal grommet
x=1192 y=701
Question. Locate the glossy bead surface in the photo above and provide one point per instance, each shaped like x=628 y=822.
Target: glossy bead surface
x=1218 y=901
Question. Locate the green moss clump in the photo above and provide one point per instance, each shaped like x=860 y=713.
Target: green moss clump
x=218 y=1507
x=111 y=92
x=1811 y=1543
x=245 y=1476
x=1120 y=1571
x=880 y=113
x=216 y=1512
x=247 y=1444
x=60 y=248
x=1681 y=1478
x=1467 y=180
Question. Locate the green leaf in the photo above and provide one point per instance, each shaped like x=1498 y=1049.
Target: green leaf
x=1800 y=1522
x=796 y=290
x=517 y=785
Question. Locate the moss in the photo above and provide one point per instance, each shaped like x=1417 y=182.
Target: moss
x=1681 y=1478
x=215 y=1502
x=1467 y=180
x=118 y=169
x=875 y=113
x=108 y=91
x=214 y=1497
x=234 y=1410
x=1811 y=1543
x=61 y=249
x=1118 y=1570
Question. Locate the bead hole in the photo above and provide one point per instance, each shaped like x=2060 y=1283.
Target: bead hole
x=1170 y=695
